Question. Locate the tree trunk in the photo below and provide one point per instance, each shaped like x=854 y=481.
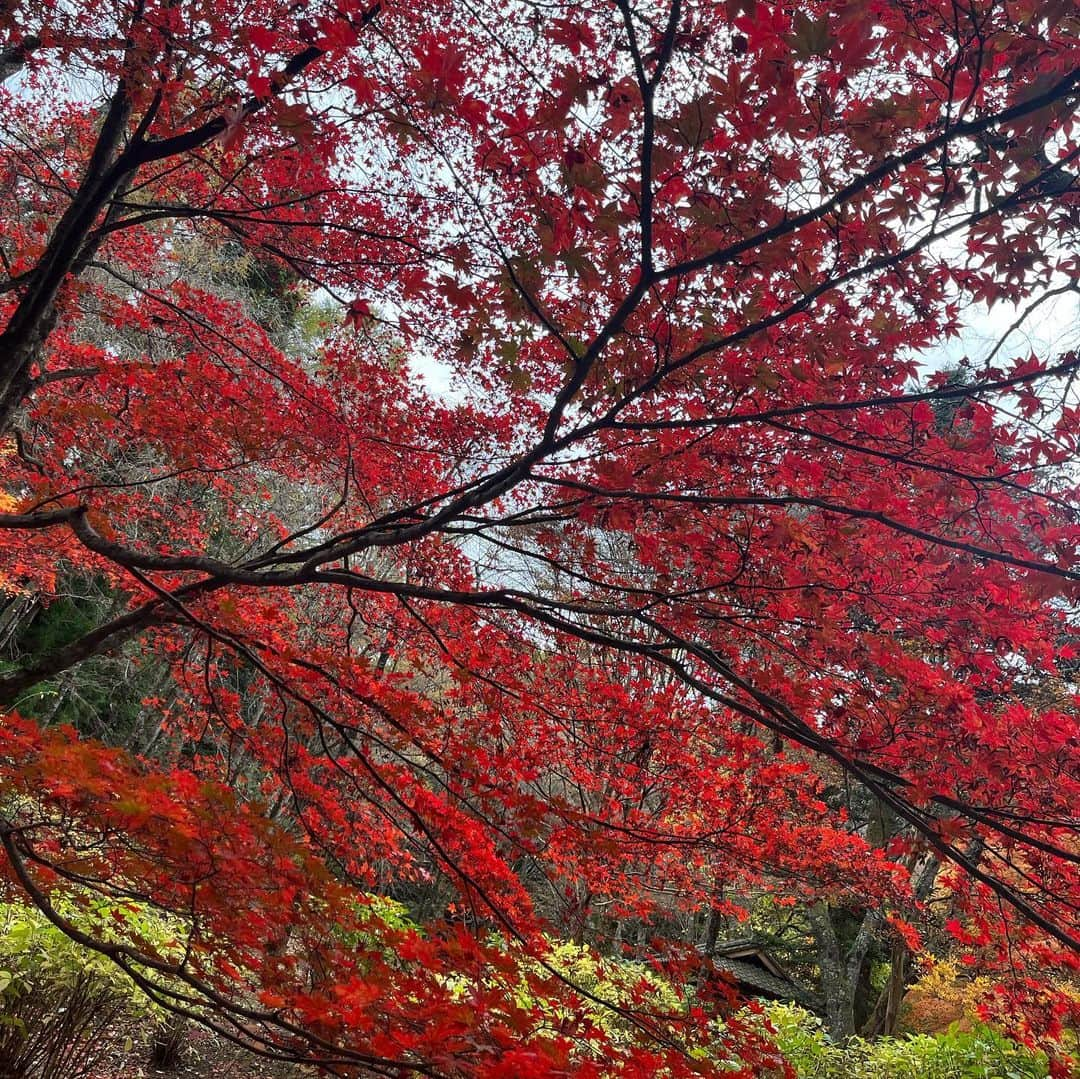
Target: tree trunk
x=842 y=972
x=886 y=1014
x=837 y=990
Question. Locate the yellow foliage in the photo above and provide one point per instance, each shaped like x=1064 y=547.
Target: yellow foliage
x=944 y=994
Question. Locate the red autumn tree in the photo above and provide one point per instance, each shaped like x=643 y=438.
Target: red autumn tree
x=562 y=641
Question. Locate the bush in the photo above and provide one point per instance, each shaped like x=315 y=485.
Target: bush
x=167 y=1042
x=58 y=1001
x=980 y=1053
x=53 y=1030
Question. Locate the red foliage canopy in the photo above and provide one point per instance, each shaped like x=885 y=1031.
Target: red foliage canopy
x=679 y=521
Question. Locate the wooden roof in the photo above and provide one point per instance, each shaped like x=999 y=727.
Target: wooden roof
x=759 y=974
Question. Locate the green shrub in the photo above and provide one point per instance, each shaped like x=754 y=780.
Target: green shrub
x=980 y=1053
x=59 y=1000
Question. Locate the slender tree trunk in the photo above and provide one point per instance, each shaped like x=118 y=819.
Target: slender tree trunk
x=895 y=989
x=883 y=1019
x=19 y=610
x=712 y=932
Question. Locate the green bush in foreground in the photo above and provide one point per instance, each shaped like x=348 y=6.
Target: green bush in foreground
x=980 y=1053
x=58 y=1001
